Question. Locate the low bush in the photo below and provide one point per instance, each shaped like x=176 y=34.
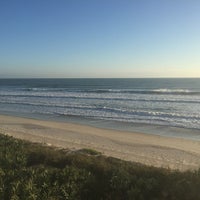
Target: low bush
x=31 y=171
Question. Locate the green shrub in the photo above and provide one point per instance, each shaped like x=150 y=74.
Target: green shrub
x=31 y=171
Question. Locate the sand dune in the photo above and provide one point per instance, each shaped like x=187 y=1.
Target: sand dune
x=159 y=151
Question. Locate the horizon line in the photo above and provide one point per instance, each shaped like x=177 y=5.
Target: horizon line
x=100 y=78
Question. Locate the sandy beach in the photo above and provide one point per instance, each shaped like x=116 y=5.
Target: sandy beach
x=159 y=151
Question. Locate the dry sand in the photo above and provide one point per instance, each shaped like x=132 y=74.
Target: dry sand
x=159 y=151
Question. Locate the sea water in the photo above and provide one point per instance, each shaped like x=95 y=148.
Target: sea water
x=134 y=103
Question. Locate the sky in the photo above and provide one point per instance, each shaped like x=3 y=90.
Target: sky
x=99 y=38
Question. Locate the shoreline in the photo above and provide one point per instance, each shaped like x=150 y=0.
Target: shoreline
x=152 y=150
x=152 y=129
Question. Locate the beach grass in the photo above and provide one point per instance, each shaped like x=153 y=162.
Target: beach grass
x=35 y=171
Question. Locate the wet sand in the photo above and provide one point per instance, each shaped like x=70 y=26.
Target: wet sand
x=154 y=150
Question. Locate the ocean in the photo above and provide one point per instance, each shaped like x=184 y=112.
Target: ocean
x=146 y=105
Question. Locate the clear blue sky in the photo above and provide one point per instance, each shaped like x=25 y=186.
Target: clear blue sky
x=99 y=38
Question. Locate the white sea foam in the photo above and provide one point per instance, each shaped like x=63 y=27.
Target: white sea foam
x=170 y=106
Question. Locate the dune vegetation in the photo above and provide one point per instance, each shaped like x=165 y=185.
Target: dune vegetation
x=30 y=171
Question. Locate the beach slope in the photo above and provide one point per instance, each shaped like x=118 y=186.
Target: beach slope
x=159 y=151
